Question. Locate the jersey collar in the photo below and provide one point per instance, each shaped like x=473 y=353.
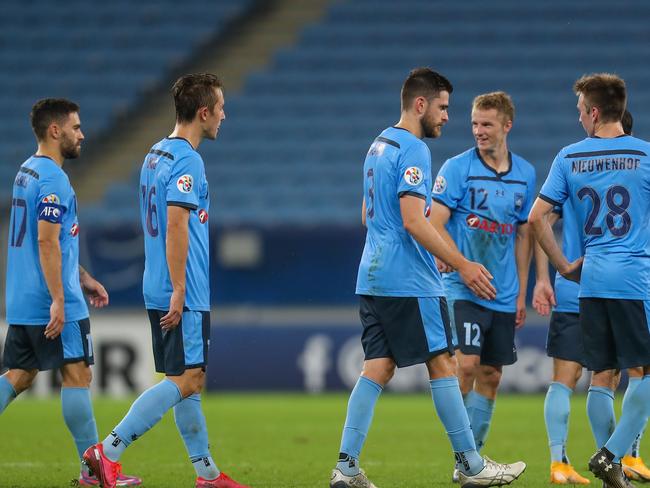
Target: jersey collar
x=497 y=174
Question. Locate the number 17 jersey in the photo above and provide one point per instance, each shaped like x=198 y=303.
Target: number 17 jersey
x=608 y=184
x=173 y=174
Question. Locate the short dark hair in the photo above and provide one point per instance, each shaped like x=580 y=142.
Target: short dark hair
x=423 y=82
x=628 y=122
x=193 y=91
x=49 y=110
x=605 y=91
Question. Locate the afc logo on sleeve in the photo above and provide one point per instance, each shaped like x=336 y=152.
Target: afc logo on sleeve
x=413 y=176
x=50 y=212
x=185 y=183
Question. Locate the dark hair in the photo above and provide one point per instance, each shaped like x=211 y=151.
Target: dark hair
x=423 y=82
x=193 y=91
x=605 y=91
x=628 y=122
x=49 y=110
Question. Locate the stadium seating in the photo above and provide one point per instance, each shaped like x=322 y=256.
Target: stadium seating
x=103 y=55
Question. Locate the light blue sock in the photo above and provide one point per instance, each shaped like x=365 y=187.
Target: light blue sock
x=7 y=393
x=79 y=418
x=632 y=420
x=600 y=410
x=631 y=386
x=557 y=407
x=468 y=400
x=448 y=402
x=481 y=409
x=361 y=407
x=146 y=411
x=190 y=422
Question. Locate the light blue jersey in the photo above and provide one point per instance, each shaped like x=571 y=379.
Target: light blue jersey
x=566 y=291
x=486 y=209
x=393 y=263
x=173 y=174
x=41 y=191
x=608 y=184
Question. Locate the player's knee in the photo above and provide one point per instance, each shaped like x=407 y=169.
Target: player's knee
x=20 y=379
x=380 y=374
x=490 y=377
x=77 y=375
x=467 y=369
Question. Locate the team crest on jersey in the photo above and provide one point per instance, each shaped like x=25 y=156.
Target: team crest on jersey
x=440 y=185
x=185 y=183
x=519 y=201
x=53 y=198
x=74 y=230
x=203 y=216
x=413 y=176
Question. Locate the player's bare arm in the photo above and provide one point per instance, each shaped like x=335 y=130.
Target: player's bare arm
x=523 y=255
x=543 y=294
x=439 y=217
x=177 y=248
x=94 y=290
x=544 y=235
x=475 y=276
x=363 y=212
x=49 y=251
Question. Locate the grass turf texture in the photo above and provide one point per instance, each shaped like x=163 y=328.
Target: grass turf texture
x=271 y=440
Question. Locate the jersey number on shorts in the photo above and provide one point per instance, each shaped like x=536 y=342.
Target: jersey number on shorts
x=618 y=201
x=476 y=330
x=17 y=240
x=148 y=196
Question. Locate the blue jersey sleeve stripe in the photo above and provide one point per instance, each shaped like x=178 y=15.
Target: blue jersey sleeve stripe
x=550 y=200
x=441 y=202
x=608 y=152
x=30 y=172
x=173 y=203
x=164 y=154
x=411 y=194
x=388 y=141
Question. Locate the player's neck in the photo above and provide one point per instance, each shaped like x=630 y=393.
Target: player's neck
x=45 y=149
x=191 y=132
x=411 y=124
x=497 y=159
x=608 y=130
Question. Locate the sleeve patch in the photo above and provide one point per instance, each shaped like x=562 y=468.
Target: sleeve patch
x=413 y=176
x=440 y=185
x=50 y=212
x=52 y=198
x=185 y=183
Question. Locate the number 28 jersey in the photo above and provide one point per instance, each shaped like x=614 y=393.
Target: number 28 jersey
x=173 y=174
x=608 y=184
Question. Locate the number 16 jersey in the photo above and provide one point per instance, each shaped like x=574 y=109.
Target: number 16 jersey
x=173 y=174
x=608 y=184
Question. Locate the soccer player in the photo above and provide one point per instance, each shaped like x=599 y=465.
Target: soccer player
x=402 y=304
x=606 y=179
x=174 y=205
x=564 y=345
x=481 y=201
x=46 y=310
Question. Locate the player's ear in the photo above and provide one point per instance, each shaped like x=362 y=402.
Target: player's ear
x=420 y=104
x=202 y=114
x=54 y=130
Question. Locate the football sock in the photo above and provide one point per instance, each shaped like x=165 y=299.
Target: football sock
x=448 y=402
x=78 y=416
x=468 y=400
x=146 y=411
x=7 y=393
x=361 y=407
x=481 y=409
x=600 y=410
x=557 y=407
x=190 y=422
x=632 y=420
x=631 y=386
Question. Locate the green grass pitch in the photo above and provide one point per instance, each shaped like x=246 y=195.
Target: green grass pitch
x=286 y=440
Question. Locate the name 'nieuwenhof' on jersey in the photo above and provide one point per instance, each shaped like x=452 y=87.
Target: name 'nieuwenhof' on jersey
x=605 y=164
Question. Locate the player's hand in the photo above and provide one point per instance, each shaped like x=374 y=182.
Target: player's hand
x=95 y=291
x=520 y=318
x=477 y=279
x=57 y=319
x=175 y=313
x=574 y=270
x=443 y=267
x=543 y=298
